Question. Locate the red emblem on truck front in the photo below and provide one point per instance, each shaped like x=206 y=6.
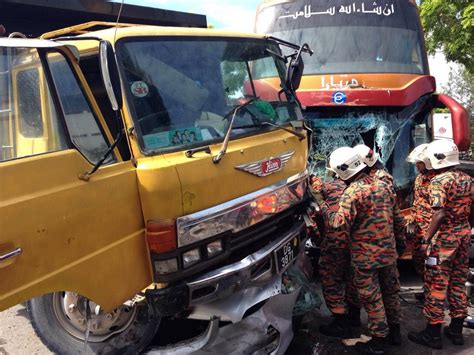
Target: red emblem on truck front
x=267 y=166
x=270 y=166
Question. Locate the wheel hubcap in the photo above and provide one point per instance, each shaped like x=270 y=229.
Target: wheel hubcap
x=70 y=310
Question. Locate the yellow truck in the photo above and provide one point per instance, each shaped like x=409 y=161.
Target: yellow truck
x=142 y=175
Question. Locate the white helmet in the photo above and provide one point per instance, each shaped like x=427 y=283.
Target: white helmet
x=345 y=162
x=368 y=156
x=443 y=153
x=419 y=154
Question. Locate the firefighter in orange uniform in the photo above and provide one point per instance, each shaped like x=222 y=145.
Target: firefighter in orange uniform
x=368 y=208
x=335 y=271
x=419 y=220
x=376 y=168
x=448 y=236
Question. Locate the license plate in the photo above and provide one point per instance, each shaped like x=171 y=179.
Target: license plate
x=285 y=254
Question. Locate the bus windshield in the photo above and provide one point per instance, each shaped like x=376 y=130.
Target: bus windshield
x=350 y=36
x=391 y=132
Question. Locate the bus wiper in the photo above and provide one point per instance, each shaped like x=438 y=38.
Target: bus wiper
x=217 y=158
x=301 y=136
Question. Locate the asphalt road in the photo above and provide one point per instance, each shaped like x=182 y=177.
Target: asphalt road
x=308 y=340
x=17 y=336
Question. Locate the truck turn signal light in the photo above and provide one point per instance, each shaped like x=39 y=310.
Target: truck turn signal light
x=161 y=235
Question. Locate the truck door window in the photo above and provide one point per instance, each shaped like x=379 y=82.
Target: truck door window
x=90 y=67
x=29 y=103
x=29 y=123
x=83 y=128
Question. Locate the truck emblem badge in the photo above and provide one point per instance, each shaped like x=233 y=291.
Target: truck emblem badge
x=267 y=166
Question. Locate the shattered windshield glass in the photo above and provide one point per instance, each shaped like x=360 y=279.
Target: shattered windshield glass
x=392 y=134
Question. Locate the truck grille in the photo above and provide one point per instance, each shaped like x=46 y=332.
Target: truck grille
x=254 y=238
x=237 y=245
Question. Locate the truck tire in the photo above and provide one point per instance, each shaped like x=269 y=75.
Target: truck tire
x=59 y=321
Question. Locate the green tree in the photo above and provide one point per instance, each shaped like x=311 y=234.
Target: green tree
x=449 y=26
x=460 y=86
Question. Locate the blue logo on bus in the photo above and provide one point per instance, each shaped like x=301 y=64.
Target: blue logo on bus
x=339 y=97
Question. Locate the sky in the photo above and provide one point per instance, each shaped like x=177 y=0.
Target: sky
x=239 y=15
x=230 y=14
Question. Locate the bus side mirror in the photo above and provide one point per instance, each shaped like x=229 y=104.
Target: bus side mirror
x=295 y=73
x=110 y=74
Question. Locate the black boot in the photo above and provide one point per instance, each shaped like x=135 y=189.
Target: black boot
x=354 y=315
x=430 y=337
x=338 y=328
x=394 y=336
x=420 y=296
x=375 y=346
x=454 y=331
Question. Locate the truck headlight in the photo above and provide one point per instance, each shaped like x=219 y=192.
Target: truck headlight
x=214 y=248
x=241 y=213
x=166 y=266
x=191 y=257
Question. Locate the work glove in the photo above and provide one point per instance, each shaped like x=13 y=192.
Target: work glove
x=317 y=190
x=411 y=228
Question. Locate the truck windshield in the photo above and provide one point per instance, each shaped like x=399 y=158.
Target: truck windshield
x=179 y=91
x=350 y=36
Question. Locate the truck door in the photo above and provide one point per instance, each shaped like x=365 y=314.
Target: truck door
x=58 y=232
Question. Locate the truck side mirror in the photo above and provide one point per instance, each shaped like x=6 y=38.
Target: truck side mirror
x=295 y=73
x=110 y=74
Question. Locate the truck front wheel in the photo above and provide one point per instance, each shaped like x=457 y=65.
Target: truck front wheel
x=60 y=320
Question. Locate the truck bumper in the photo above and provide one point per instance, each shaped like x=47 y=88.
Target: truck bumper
x=256 y=269
x=266 y=331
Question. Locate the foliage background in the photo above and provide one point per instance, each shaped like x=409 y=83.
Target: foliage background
x=449 y=27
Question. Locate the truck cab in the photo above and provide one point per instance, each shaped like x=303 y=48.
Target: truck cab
x=171 y=186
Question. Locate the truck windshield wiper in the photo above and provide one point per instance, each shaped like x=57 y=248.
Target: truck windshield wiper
x=300 y=135
x=217 y=158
